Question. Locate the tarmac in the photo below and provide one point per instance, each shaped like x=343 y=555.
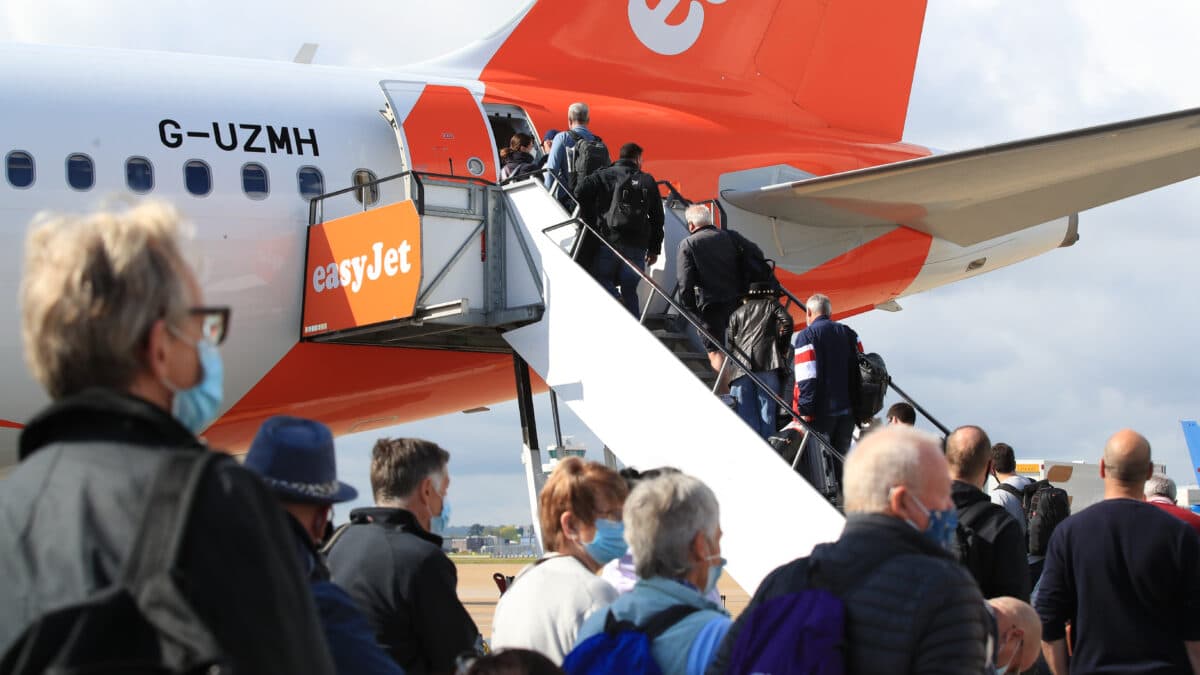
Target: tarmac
x=478 y=593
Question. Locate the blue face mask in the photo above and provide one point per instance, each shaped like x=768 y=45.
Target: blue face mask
x=943 y=525
x=609 y=542
x=714 y=574
x=438 y=523
x=196 y=407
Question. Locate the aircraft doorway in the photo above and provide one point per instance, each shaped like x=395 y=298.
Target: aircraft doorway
x=507 y=121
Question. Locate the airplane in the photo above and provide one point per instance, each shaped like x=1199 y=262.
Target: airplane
x=1191 y=436
x=746 y=103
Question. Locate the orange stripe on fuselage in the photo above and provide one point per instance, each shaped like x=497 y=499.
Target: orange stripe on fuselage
x=859 y=279
x=5 y=424
x=357 y=388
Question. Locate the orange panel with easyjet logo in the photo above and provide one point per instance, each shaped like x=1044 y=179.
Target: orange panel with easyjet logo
x=362 y=269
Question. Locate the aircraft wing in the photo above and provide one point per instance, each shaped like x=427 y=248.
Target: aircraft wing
x=976 y=195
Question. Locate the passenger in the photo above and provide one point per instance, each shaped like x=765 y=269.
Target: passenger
x=520 y=159
x=709 y=285
x=673 y=526
x=547 y=143
x=116 y=329
x=295 y=458
x=580 y=509
x=1160 y=491
x=909 y=606
x=622 y=573
x=826 y=355
x=1018 y=635
x=760 y=333
x=389 y=558
x=622 y=204
x=514 y=662
x=902 y=413
x=1124 y=574
x=991 y=544
x=1011 y=489
x=562 y=150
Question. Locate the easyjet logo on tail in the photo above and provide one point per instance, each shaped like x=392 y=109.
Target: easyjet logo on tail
x=651 y=27
x=362 y=269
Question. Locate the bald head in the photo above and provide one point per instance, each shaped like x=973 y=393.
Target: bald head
x=1019 y=630
x=969 y=452
x=1127 y=459
x=890 y=457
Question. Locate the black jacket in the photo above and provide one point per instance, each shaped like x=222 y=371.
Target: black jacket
x=518 y=163
x=760 y=331
x=910 y=608
x=595 y=195
x=995 y=554
x=69 y=512
x=707 y=269
x=406 y=586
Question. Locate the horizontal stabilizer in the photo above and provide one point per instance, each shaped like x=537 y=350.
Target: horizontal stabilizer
x=976 y=195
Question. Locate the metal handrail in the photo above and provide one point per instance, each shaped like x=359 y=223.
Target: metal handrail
x=718 y=344
x=319 y=200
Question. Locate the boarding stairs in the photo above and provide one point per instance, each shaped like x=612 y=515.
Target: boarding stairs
x=497 y=274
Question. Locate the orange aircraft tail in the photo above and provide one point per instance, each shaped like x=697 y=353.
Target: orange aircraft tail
x=846 y=64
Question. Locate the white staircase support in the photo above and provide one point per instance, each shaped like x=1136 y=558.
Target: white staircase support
x=652 y=411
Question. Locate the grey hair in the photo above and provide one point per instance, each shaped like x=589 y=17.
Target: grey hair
x=578 y=112
x=662 y=516
x=698 y=214
x=1161 y=486
x=819 y=304
x=883 y=460
x=93 y=287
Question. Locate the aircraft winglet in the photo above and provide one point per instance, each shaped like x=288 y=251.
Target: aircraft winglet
x=1191 y=435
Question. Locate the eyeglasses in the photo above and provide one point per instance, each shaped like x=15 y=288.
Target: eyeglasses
x=215 y=324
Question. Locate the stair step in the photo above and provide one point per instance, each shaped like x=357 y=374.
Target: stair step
x=665 y=335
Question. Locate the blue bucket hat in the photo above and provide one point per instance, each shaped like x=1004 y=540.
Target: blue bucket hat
x=294 y=456
x=550 y=135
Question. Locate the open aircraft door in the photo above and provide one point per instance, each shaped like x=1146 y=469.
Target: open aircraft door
x=441 y=129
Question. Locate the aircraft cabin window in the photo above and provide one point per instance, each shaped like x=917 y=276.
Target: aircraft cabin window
x=81 y=173
x=311 y=182
x=198 y=177
x=254 y=181
x=139 y=174
x=371 y=193
x=19 y=167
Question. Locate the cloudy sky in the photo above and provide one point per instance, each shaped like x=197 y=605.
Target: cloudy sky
x=1051 y=355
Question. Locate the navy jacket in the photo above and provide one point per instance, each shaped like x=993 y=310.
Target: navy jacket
x=399 y=577
x=826 y=368
x=1126 y=575
x=910 y=608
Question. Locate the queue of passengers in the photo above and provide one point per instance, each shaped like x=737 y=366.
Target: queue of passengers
x=126 y=544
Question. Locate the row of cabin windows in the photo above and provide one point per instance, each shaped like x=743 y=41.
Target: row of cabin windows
x=197 y=177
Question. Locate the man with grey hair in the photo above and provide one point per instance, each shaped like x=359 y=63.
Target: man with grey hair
x=566 y=162
x=706 y=268
x=1123 y=573
x=1160 y=491
x=116 y=330
x=672 y=524
x=909 y=606
x=826 y=357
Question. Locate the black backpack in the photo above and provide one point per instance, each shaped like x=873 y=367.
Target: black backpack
x=585 y=158
x=631 y=203
x=972 y=544
x=1045 y=507
x=753 y=266
x=142 y=623
x=869 y=385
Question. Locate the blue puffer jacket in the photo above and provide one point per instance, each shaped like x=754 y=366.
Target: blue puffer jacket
x=687 y=647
